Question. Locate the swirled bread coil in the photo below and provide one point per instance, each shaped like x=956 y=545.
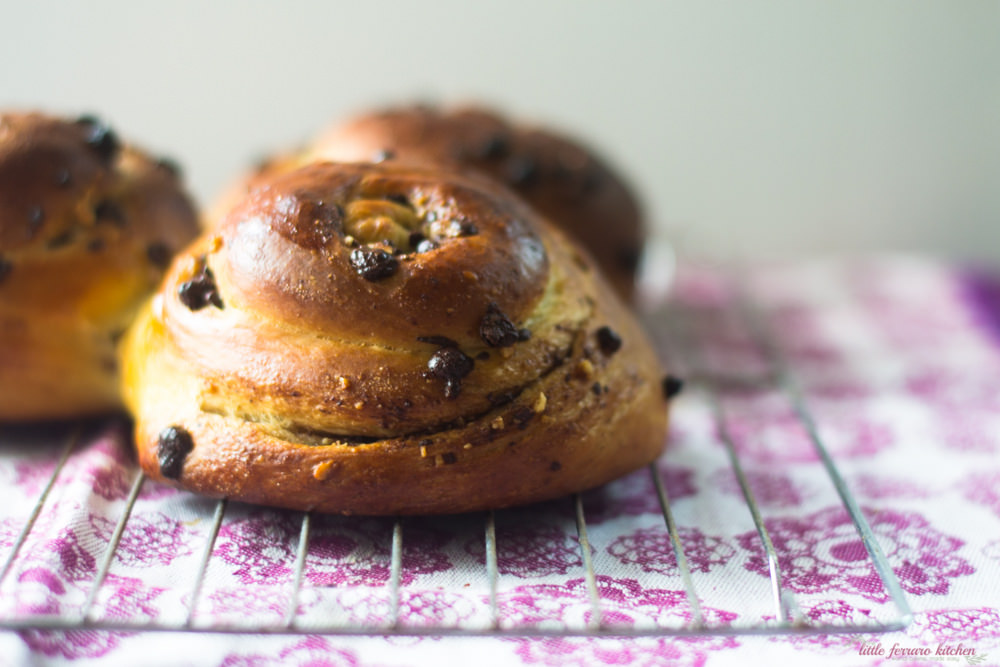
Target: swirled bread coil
x=384 y=339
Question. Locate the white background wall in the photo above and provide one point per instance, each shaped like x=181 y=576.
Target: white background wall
x=755 y=129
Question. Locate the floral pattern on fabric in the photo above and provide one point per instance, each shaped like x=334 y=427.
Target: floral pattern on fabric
x=824 y=551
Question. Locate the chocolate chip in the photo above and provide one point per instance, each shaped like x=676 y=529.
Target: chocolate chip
x=496 y=329
x=522 y=171
x=100 y=137
x=555 y=466
x=200 y=291
x=451 y=365
x=608 y=340
x=672 y=386
x=457 y=228
x=373 y=263
x=498 y=398
x=440 y=341
x=172 y=447
x=62 y=178
x=60 y=240
x=5 y=268
x=522 y=415
x=592 y=180
x=449 y=458
x=169 y=166
x=399 y=199
x=524 y=334
x=628 y=258
x=421 y=243
x=596 y=389
x=158 y=254
x=383 y=155
x=108 y=211
x=36 y=216
x=496 y=146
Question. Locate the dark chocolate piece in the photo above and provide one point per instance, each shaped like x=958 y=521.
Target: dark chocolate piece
x=109 y=211
x=158 y=254
x=100 y=137
x=628 y=258
x=500 y=398
x=373 y=264
x=36 y=216
x=451 y=365
x=172 y=447
x=592 y=180
x=522 y=415
x=522 y=171
x=200 y=291
x=63 y=177
x=459 y=228
x=60 y=240
x=169 y=166
x=608 y=340
x=440 y=341
x=497 y=145
x=672 y=386
x=496 y=329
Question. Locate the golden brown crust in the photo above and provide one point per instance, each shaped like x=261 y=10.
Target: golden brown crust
x=87 y=227
x=566 y=182
x=490 y=366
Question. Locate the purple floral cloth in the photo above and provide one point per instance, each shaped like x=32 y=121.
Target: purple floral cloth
x=898 y=362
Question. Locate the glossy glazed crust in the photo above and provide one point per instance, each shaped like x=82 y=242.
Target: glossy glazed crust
x=87 y=228
x=310 y=386
x=564 y=180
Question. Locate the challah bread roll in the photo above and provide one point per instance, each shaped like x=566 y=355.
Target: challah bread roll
x=560 y=177
x=87 y=228
x=381 y=339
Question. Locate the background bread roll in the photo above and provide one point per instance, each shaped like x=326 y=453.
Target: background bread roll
x=560 y=177
x=87 y=227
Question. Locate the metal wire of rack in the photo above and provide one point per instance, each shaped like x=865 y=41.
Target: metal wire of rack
x=788 y=617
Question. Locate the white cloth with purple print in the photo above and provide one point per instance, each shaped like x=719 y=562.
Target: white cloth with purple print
x=899 y=362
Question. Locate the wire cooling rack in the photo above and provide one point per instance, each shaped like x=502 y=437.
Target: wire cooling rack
x=788 y=618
